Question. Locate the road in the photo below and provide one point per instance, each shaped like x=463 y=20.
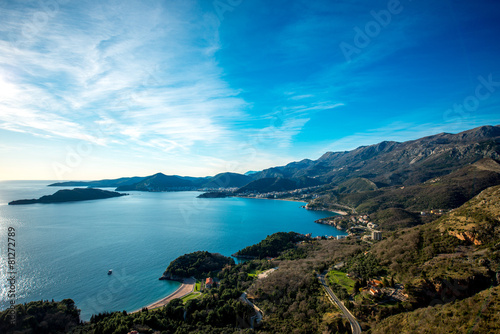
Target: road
x=257 y=318
x=355 y=327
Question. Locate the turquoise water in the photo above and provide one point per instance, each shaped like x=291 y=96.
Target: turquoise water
x=65 y=250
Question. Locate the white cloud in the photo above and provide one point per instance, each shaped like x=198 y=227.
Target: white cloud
x=139 y=72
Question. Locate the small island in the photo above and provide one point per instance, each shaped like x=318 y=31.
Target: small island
x=198 y=264
x=73 y=195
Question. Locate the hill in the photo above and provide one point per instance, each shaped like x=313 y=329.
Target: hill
x=455 y=256
x=394 y=219
x=74 y=195
x=113 y=183
x=272 y=246
x=477 y=221
x=162 y=182
x=445 y=192
x=277 y=184
x=266 y=185
x=159 y=182
x=477 y=314
x=227 y=180
x=198 y=264
x=41 y=317
x=356 y=185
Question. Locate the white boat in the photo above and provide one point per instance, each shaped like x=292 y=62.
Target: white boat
x=110 y=271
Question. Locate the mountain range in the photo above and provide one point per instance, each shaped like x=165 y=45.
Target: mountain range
x=376 y=168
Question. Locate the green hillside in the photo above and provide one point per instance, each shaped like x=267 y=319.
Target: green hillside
x=477 y=314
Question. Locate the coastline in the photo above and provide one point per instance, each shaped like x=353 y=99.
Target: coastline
x=274 y=199
x=186 y=287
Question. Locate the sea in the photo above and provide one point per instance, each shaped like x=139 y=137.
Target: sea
x=65 y=250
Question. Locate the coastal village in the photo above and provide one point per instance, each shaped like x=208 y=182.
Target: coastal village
x=357 y=226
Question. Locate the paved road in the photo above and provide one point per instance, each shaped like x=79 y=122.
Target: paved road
x=355 y=327
x=258 y=312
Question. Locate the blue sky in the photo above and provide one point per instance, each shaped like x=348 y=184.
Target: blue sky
x=104 y=89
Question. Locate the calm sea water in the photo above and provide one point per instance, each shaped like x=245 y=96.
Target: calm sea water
x=65 y=250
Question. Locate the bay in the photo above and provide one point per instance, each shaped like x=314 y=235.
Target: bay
x=65 y=250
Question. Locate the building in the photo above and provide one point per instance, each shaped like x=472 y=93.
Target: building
x=340 y=237
x=209 y=283
x=377 y=235
x=375 y=283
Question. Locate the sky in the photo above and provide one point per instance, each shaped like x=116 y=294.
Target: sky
x=106 y=89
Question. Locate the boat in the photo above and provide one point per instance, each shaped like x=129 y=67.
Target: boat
x=110 y=271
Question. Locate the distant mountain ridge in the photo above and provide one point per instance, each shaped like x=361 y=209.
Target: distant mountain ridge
x=162 y=182
x=373 y=167
x=393 y=163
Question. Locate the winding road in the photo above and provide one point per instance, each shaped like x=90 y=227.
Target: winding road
x=355 y=327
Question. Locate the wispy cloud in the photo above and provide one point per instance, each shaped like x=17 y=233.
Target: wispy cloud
x=141 y=68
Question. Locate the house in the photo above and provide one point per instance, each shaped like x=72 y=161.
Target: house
x=377 y=235
x=209 y=283
x=374 y=291
x=340 y=237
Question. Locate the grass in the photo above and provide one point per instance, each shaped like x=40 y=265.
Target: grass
x=254 y=273
x=197 y=286
x=341 y=279
x=190 y=296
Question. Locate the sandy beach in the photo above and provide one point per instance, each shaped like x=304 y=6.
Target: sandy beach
x=185 y=288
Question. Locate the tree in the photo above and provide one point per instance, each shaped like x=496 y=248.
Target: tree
x=385 y=282
x=357 y=287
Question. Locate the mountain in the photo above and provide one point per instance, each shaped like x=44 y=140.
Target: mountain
x=74 y=195
x=277 y=184
x=227 y=180
x=100 y=184
x=356 y=185
x=394 y=219
x=161 y=182
x=381 y=167
x=392 y=163
x=445 y=192
x=268 y=184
